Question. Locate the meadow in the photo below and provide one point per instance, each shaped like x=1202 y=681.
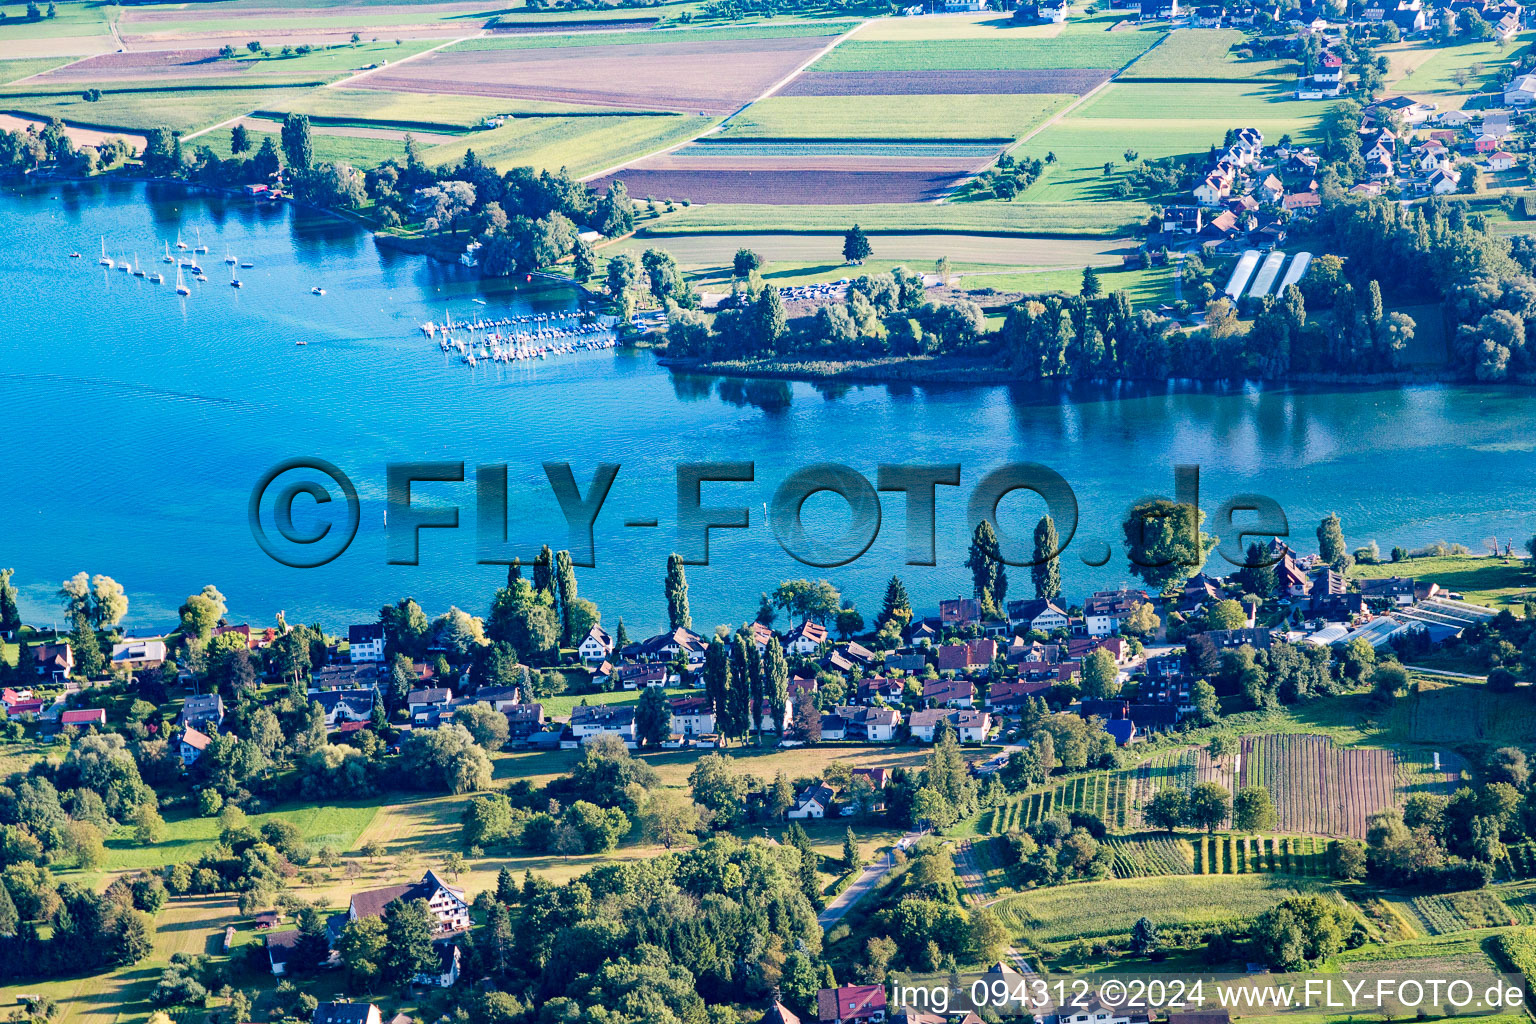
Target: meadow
x=1193 y=117
x=1092 y=910
x=583 y=145
x=182 y=107
x=1206 y=54
x=1066 y=51
x=1493 y=581
x=1046 y=220
x=693 y=35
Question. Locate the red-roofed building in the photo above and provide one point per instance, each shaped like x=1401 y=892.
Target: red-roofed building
x=83 y=717
x=972 y=654
x=851 y=1004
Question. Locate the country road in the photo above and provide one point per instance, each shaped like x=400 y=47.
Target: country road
x=849 y=897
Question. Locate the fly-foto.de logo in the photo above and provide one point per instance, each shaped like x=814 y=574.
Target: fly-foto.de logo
x=1156 y=530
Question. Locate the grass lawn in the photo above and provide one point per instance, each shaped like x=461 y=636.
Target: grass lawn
x=1430 y=72
x=1046 y=220
x=14 y=70
x=560 y=706
x=1087 y=49
x=986 y=25
x=894 y=117
x=1090 y=910
x=329 y=61
x=187 y=838
x=71 y=19
x=1495 y=582
x=1204 y=53
x=1190 y=118
x=584 y=145
x=334 y=148
x=140 y=108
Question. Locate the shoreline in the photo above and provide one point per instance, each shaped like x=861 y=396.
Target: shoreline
x=942 y=370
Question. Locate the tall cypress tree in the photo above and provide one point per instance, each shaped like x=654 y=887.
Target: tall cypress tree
x=88 y=659
x=988 y=579
x=776 y=682
x=565 y=593
x=738 y=697
x=543 y=570
x=717 y=682
x=755 y=685
x=677 y=593
x=10 y=615
x=1046 y=571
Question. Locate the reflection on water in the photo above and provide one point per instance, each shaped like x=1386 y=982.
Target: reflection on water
x=137 y=423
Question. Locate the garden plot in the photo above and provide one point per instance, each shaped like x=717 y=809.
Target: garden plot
x=1317 y=786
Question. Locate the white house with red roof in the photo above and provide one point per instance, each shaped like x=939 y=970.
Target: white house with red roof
x=851 y=1004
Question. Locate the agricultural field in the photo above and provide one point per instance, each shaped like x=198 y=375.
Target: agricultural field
x=1091 y=910
x=1319 y=787
x=584 y=145
x=900 y=116
x=1151 y=856
x=1445 y=75
x=139 y=108
x=403 y=110
x=993 y=84
x=1453 y=714
x=1302 y=856
x=1441 y=913
x=1194 y=116
x=1106 y=794
x=679 y=75
x=1204 y=54
x=1042 y=220
x=1087 y=45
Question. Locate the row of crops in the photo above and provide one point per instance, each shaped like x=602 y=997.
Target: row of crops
x=1106 y=794
x=1150 y=857
x=1306 y=856
x=1459 y=911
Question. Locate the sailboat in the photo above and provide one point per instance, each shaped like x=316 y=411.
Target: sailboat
x=156 y=278
x=181 y=284
x=179 y=243
x=137 y=270
x=200 y=246
x=105 y=260
x=229 y=258
x=167 y=254
x=234 y=282
x=123 y=265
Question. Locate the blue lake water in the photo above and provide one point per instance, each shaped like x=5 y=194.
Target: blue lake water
x=135 y=424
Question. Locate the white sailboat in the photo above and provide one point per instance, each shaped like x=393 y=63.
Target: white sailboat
x=137 y=270
x=179 y=243
x=200 y=247
x=105 y=260
x=167 y=258
x=234 y=281
x=181 y=284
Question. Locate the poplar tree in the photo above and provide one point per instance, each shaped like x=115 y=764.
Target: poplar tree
x=776 y=681
x=988 y=579
x=1046 y=572
x=677 y=593
x=717 y=681
x=565 y=593
x=543 y=571
x=738 y=697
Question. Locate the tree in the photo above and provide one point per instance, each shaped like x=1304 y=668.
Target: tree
x=1209 y=806
x=408 y=950
x=718 y=788
x=1167 y=809
x=89 y=661
x=1046 y=570
x=1330 y=540
x=1227 y=614
x=1143 y=936
x=895 y=606
x=239 y=139
x=10 y=613
x=670 y=818
x=1091 y=287
x=852 y=858
x=988 y=578
x=1100 y=675
x=363 y=945
x=202 y=612
x=1257 y=574
x=745 y=263
x=776 y=680
x=1164 y=543
x=487 y=725
x=1298 y=931
x=653 y=717
x=1253 y=810
x=677 y=593
x=298 y=147
x=807 y=718
x=856 y=246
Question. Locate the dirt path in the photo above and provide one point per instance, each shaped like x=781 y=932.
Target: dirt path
x=775 y=87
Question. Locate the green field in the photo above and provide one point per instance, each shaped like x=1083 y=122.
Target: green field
x=1495 y=582
x=188 y=838
x=72 y=19
x=15 y=70
x=699 y=35
x=1432 y=71
x=404 y=109
x=1098 y=909
x=334 y=148
x=180 y=108
x=583 y=145
x=1112 y=50
x=1203 y=54
x=894 y=117
x=1191 y=118
x=1107 y=220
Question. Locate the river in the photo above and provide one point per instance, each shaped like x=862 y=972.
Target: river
x=135 y=424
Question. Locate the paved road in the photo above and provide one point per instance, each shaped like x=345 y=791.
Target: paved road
x=861 y=886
